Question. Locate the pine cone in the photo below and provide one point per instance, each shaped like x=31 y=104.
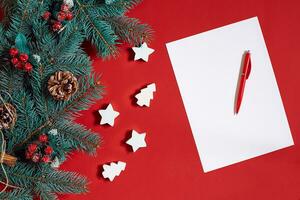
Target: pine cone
x=62 y=85
x=8 y=116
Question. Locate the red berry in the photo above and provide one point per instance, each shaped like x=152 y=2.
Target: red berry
x=69 y=16
x=28 y=155
x=64 y=7
x=35 y=157
x=19 y=65
x=46 y=15
x=61 y=16
x=45 y=159
x=28 y=67
x=14 y=61
x=13 y=52
x=32 y=148
x=56 y=26
x=48 y=150
x=23 y=57
x=43 y=138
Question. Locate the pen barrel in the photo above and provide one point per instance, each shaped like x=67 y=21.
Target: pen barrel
x=242 y=82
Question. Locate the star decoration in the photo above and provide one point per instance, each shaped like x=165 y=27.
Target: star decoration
x=142 y=52
x=137 y=140
x=108 y=115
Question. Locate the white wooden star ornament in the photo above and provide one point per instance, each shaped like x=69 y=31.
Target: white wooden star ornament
x=143 y=52
x=137 y=140
x=113 y=169
x=145 y=95
x=108 y=115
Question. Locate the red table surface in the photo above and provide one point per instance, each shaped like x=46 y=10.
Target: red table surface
x=170 y=168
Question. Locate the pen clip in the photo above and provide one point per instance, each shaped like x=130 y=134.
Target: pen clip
x=248 y=69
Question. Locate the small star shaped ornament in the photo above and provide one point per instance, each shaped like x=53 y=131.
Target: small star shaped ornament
x=108 y=115
x=137 y=140
x=143 y=52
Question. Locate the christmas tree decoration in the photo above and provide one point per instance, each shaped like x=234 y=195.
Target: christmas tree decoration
x=62 y=85
x=145 y=95
x=39 y=150
x=19 y=54
x=8 y=116
x=137 y=140
x=59 y=16
x=113 y=169
x=143 y=52
x=13 y=52
x=64 y=7
x=46 y=15
x=56 y=26
x=27 y=67
x=108 y=115
x=49 y=77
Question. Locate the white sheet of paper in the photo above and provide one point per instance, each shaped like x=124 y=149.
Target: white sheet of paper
x=207 y=69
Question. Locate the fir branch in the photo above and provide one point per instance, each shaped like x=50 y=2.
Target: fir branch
x=7 y=7
x=101 y=24
x=90 y=90
x=11 y=80
x=44 y=192
x=98 y=32
x=65 y=182
x=22 y=12
x=69 y=41
x=16 y=194
x=76 y=136
x=115 y=8
x=46 y=179
x=130 y=30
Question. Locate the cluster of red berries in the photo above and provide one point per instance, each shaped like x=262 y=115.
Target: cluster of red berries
x=20 y=60
x=39 y=151
x=63 y=15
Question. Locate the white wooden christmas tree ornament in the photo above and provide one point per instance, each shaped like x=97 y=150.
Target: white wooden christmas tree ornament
x=113 y=169
x=137 y=140
x=108 y=115
x=143 y=52
x=145 y=95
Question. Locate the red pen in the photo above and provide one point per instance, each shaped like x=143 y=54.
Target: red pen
x=245 y=72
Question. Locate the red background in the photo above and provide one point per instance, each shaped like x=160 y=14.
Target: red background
x=169 y=168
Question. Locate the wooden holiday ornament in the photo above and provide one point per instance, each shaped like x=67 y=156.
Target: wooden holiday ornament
x=137 y=140
x=62 y=85
x=113 y=169
x=146 y=95
x=143 y=52
x=108 y=115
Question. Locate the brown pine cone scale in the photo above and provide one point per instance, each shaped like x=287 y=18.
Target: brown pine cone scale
x=8 y=116
x=62 y=85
